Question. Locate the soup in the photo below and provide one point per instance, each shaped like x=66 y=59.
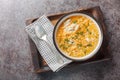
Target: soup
x=77 y=36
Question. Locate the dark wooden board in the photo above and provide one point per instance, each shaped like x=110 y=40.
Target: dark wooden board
x=102 y=55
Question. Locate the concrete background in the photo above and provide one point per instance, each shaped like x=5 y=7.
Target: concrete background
x=15 y=54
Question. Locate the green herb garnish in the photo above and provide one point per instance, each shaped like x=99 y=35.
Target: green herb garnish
x=89 y=45
x=88 y=31
x=63 y=46
x=72 y=37
x=85 y=51
x=66 y=40
x=85 y=25
x=81 y=33
x=88 y=24
x=75 y=21
x=75 y=37
x=79 y=45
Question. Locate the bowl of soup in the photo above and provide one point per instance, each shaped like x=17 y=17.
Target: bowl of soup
x=77 y=36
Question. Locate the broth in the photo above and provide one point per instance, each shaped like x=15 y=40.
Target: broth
x=77 y=36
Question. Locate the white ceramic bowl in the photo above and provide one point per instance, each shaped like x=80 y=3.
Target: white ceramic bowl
x=84 y=57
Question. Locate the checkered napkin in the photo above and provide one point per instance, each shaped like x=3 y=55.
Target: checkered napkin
x=49 y=53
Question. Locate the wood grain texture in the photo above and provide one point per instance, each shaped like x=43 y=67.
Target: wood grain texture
x=15 y=52
x=102 y=54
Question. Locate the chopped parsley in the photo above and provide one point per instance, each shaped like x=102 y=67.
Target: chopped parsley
x=79 y=45
x=76 y=36
x=85 y=52
x=66 y=40
x=81 y=33
x=63 y=46
x=75 y=21
x=89 y=45
x=72 y=37
x=88 y=31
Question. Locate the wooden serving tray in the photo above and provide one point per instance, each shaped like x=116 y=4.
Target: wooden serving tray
x=102 y=55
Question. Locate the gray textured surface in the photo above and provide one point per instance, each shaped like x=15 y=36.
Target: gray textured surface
x=15 y=54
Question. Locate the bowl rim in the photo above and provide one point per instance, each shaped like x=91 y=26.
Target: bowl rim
x=91 y=18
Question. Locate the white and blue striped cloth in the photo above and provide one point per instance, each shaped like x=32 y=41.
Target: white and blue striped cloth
x=45 y=51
